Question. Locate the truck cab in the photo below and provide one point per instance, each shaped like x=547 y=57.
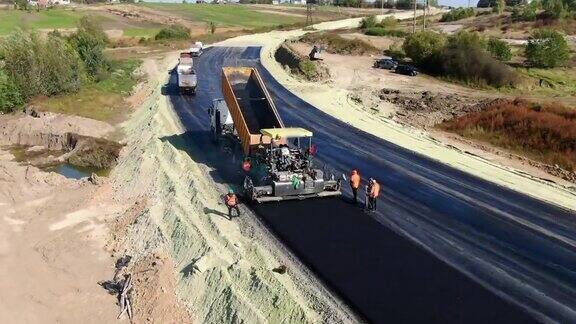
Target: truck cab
x=221 y=123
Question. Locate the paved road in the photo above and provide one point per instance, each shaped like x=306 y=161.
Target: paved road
x=461 y=230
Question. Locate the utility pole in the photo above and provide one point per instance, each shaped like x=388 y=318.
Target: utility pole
x=414 y=21
x=424 y=15
x=382 y=7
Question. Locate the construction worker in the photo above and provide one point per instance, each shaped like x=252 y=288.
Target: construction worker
x=374 y=192
x=355 y=184
x=232 y=203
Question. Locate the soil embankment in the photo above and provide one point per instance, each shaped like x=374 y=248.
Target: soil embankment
x=55 y=138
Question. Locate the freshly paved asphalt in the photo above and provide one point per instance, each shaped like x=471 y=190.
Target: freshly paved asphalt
x=444 y=246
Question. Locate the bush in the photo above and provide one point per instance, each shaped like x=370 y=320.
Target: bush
x=368 y=22
x=499 y=49
x=380 y=31
x=334 y=43
x=173 y=32
x=10 y=95
x=545 y=132
x=473 y=65
x=547 y=48
x=41 y=66
x=527 y=13
x=457 y=14
x=388 y=22
x=89 y=41
x=395 y=52
x=465 y=39
x=422 y=45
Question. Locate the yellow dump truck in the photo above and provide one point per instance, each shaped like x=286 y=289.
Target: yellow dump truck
x=280 y=158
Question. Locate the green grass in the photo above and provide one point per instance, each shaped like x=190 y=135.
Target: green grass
x=102 y=100
x=558 y=82
x=140 y=32
x=226 y=15
x=44 y=19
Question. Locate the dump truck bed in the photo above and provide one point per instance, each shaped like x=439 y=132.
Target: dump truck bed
x=250 y=105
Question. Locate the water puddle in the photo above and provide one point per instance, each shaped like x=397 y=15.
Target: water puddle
x=45 y=160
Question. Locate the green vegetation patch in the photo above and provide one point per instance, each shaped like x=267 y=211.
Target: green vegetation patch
x=226 y=15
x=381 y=31
x=103 y=100
x=334 y=43
x=44 y=19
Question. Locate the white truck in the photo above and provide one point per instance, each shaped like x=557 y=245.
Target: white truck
x=196 y=49
x=186 y=74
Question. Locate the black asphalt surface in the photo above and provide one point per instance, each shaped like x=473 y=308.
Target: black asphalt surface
x=443 y=247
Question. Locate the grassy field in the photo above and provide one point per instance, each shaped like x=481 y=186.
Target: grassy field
x=226 y=15
x=102 y=100
x=55 y=18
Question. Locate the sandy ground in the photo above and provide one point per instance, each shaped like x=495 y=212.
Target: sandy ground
x=51 y=237
x=335 y=101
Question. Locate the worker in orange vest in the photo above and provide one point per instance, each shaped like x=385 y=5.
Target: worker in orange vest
x=374 y=193
x=355 y=184
x=231 y=202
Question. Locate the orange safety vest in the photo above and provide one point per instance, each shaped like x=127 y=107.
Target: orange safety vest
x=375 y=190
x=231 y=200
x=355 y=181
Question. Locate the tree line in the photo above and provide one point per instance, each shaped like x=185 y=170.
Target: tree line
x=33 y=65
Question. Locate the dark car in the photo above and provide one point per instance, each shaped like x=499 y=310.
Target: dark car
x=388 y=64
x=406 y=70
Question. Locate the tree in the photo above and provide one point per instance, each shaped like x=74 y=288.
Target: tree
x=10 y=95
x=420 y=46
x=499 y=49
x=41 y=66
x=547 y=48
x=465 y=39
x=89 y=41
x=499 y=6
x=368 y=22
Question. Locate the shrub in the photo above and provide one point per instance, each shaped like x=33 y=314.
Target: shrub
x=457 y=14
x=10 y=95
x=368 y=22
x=422 y=45
x=527 y=13
x=465 y=39
x=388 y=22
x=395 y=52
x=499 y=49
x=334 y=43
x=173 y=32
x=499 y=6
x=89 y=41
x=41 y=66
x=547 y=48
x=380 y=31
x=473 y=65
x=554 y=9
x=545 y=132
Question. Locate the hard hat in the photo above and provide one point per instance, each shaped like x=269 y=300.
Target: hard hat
x=231 y=191
x=372 y=180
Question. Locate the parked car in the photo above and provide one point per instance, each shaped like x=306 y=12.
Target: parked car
x=406 y=70
x=388 y=64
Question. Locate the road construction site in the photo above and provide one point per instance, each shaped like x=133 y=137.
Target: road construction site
x=462 y=238
x=455 y=238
